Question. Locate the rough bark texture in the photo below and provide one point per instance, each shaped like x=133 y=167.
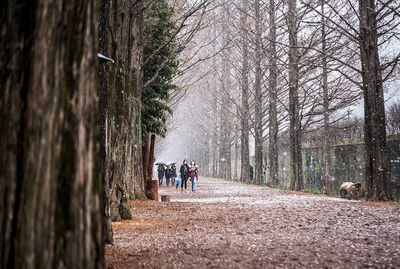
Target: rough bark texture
x=236 y=166
x=226 y=124
x=215 y=155
x=145 y=156
x=376 y=161
x=103 y=104
x=244 y=154
x=294 y=117
x=327 y=145
x=50 y=183
x=120 y=41
x=151 y=157
x=151 y=186
x=258 y=139
x=224 y=143
x=152 y=190
x=273 y=115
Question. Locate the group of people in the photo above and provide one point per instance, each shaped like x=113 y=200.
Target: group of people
x=169 y=172
x=187 y=172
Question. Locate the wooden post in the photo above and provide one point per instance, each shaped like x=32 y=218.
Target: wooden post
x=165 y=198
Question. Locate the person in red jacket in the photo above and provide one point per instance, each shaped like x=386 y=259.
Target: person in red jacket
x=193 y=174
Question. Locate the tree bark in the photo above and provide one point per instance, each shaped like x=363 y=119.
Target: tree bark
x=50 y=182
x=258 y=171
x=273 y=115
x=120 y=40
x=222 y=146
x=151 y=186
x=376 y=161
x=145 y=154
x=244 y=154
x=228 y=123
x=103 y=101
x=296 y=181
x=327 y=145
x=151 y=157
x=215 y=156
x=235 y=176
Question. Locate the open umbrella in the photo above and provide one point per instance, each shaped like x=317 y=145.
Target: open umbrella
x=160 y=163
x=170 y=163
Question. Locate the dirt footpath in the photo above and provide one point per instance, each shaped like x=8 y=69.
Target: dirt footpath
x=234 y=225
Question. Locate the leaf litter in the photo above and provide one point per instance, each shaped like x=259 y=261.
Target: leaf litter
x=233 y=225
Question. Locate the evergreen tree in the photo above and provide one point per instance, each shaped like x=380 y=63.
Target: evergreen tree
x=159 y=51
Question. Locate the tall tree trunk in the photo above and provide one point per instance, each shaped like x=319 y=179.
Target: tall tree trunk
x=151 y=186
x=296 y=181
x=215 y=156
x=145 y=154
x=273 y=115
x=376 y=160
x=103 y=101
x=134 y=175
x=244 y=154
x=207 y=160
x=228 y=162
x=120 y=40
x=327 y=145
x=227 y=104
x=221 y=147
x=151 y=157
x=235 y=176
x=50 y=182
x=258 y=172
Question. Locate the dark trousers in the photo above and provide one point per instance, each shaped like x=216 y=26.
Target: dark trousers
x=184 y=181
x=160 y=179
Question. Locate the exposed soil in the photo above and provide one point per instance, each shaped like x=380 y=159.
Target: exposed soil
x=234 y=225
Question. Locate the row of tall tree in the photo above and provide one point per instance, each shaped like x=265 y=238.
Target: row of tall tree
x=287 y=67
x=72 y=130
x=145 y=39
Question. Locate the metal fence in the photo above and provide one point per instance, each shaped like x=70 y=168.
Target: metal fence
x=347 y=165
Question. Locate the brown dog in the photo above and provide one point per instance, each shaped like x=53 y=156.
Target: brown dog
x=351 y=191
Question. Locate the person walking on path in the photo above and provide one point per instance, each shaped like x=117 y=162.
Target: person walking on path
x=168 y=174
x=194 y=175
x=174 y=175
x=184 y=174
x=178 y=181
x=160 y=171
